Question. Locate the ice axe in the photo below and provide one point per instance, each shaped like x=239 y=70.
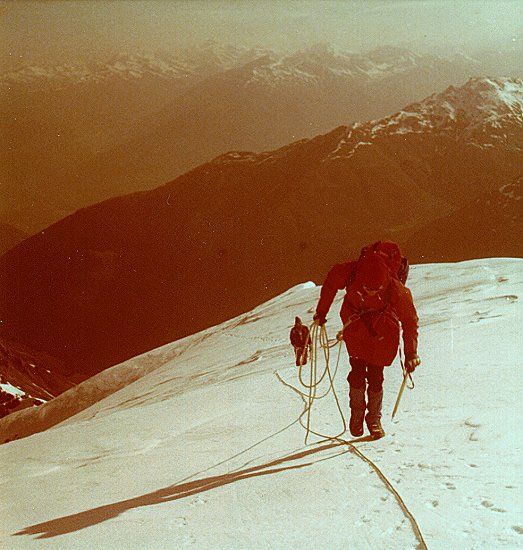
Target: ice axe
x=406 y=376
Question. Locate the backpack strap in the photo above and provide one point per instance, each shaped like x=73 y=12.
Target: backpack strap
x=403 y=271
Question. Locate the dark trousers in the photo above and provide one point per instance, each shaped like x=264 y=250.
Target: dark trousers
x=301 y=355
x=362 y=372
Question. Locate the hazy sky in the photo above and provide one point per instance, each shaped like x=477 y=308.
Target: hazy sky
x=67 y=30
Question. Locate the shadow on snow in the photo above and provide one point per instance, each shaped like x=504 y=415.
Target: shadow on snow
x=81 y=520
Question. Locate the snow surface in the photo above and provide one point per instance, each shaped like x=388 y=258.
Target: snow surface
x=13 y=390
x=197 y=443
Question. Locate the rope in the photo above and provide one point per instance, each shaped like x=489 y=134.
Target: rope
x=414 y=524
x=353 y=449
x=311 y=397
x=318 y=335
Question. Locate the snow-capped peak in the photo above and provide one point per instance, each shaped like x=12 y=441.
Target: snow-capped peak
x=120 y=66
x=484 y=112
x=199 y=61
x=322 y=60
x=479 y=101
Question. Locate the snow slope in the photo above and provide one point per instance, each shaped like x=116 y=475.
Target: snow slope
x=197 y=443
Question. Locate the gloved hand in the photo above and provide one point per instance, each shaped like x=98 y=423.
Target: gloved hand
x=320 y=319
x=411 y=363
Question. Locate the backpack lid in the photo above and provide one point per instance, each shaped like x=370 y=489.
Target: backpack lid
x=390 y=252
x=372 y=272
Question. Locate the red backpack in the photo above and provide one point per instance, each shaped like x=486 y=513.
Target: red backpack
x=373 y=335
x=391 y=253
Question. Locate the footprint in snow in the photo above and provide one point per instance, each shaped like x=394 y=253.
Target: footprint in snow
x=199 y=500
x=471 y=424
x=487 y=504
x=432 y=504
x=179 y=521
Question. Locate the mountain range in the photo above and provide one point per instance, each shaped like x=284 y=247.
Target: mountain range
x=237 y=230
x=57 y=117
x=79 y=134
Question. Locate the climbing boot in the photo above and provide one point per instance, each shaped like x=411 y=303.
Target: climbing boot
x=375 y=429
x=373 y=417
x=357 y=411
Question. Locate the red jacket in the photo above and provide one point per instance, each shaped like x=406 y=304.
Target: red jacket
x=299 y=336
x=374 y=329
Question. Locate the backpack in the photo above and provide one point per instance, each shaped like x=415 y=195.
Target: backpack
x=374 y=329
x=390 y=252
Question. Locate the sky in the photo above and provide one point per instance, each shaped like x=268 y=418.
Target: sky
x=70 y=30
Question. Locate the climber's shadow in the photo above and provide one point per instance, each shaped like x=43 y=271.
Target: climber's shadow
x=81 y=520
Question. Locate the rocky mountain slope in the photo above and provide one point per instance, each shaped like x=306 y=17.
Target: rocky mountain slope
x=491 y=224
x=28 y=378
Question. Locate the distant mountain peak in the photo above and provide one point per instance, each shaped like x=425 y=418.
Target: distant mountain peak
x=322 y=60
x=203 y=60
x=119 y=66
x=484 y=112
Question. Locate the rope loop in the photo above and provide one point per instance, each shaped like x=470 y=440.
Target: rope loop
x=319 y=337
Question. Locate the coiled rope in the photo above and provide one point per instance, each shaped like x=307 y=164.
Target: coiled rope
x=318 y=335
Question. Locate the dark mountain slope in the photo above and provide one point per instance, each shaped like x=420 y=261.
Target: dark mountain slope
x=9 y=237
x=126 y=275
x=491 y=226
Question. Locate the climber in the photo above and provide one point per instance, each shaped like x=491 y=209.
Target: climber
x=300 y=341
x=376 y=304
